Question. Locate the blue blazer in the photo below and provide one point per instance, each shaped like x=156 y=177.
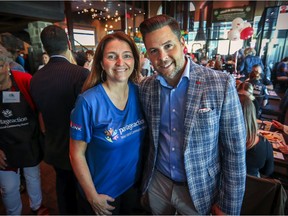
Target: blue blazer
x=214 y=138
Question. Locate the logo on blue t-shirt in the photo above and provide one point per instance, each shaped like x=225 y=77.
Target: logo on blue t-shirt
x=111 y=135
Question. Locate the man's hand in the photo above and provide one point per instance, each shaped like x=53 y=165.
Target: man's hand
x=3 y=159
x=215 y=210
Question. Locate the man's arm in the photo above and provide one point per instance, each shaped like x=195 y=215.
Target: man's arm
x=233 y=145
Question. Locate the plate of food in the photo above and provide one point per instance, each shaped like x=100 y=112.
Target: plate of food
x=275 y=138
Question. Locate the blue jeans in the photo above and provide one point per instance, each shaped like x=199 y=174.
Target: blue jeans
x=10 y=185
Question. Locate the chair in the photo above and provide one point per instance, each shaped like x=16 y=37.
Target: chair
x=279 y=113
x=263 y=196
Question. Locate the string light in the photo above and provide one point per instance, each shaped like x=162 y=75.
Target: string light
x=106 y=13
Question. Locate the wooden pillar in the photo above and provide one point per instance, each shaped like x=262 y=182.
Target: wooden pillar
x=69 y=20
x=186 y=9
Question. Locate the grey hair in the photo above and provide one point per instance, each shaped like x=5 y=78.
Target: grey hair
x=4 y=57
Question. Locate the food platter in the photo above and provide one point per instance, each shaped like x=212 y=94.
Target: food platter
x=275 y=138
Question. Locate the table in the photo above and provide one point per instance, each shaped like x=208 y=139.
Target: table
x=280 y=166
x=273 y=95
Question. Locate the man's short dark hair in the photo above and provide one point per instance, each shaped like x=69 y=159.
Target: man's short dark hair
x=54 y=40
x=158 y=22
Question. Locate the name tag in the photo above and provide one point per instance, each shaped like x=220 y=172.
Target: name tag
x=11 y=97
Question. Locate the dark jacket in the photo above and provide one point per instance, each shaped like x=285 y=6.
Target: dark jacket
x=54 y=89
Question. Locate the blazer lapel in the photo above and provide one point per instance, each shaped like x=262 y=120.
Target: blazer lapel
x=155 y=105
x=194 y=94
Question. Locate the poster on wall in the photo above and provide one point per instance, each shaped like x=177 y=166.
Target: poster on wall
x=229 y=14
x=282 y=23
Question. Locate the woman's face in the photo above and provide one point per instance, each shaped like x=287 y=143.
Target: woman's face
x=118 y=61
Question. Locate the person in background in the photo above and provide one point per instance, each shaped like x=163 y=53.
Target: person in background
x=250 y=60
x=259 y=155
x=282 y=74
x=54 y=89
x=260 y=90
x=89 y=57
x=20 y=58
x=263 y=79
x=282 y=70
x=146 y=69
x=196 y=161
x=19 y=143
x=80 y=57
x=247 y=89
x=45 y=60
x=218 y=65
x=211 y=63
x=107 y=130
x=280 y=126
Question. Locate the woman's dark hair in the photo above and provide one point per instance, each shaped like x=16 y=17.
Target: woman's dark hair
x=95 y=76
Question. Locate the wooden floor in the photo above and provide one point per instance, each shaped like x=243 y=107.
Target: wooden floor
x=48 y=192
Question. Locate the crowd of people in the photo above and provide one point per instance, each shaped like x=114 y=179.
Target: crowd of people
x=132 y=134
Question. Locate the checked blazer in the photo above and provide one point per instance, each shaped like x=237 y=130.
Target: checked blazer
x=214 y=138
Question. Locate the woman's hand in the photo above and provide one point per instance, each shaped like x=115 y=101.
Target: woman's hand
x=284 y=149
x=100 y=204
x=278 y=125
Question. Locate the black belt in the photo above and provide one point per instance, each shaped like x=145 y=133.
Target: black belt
x=173 y=181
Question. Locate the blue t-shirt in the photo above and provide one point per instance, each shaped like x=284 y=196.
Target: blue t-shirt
x=114 y=138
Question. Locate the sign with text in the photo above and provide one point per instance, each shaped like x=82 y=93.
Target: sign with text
x=229 y=14
x=282 y=23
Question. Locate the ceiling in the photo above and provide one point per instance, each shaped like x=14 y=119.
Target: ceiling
x=105 y=10
x=15 y=15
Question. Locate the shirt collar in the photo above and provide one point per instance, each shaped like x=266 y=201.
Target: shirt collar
x=58 y=56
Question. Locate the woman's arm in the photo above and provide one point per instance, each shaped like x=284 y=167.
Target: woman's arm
x=79 y=164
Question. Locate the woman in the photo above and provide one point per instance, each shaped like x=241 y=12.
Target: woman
x=107 y=129
x=246 y=88
x=19 y=142
x=260 y=89
x=259 y=154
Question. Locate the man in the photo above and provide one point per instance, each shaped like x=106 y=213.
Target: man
x=54 y=89
x=250 y=60
x=196 y=160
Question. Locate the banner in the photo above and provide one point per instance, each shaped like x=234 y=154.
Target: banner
x=282 y=20
x=229 y=14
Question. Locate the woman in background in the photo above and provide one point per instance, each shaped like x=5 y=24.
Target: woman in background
x=259 y=154
x=246 y=88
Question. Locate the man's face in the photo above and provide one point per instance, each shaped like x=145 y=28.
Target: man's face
x=165 y=52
